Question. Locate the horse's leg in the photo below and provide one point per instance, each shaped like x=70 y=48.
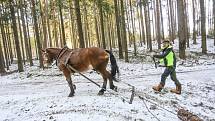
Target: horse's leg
x=112 y=86
x=67 y=74
x=106 y=75
x=101 y=92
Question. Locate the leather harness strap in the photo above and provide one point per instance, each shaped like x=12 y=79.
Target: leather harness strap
x=62 y=51
x=67 y=59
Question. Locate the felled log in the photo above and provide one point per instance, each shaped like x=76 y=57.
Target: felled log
x=185 y=115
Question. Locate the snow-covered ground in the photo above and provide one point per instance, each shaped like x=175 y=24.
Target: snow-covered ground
x=39 y=95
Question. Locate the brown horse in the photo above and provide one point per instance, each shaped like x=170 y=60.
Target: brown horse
x=82 y=59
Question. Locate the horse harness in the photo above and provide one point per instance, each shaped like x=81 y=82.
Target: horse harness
x=62 y=51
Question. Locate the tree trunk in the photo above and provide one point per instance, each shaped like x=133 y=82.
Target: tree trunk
x=133 y=28
x=4 y=40
x=203 y=30
x=214 y=19
x=162 y=28
x=37 y=33
x=29 y=39
x=21 y=37
x=142 y=24
x=29 y=56
x=2 y=69
x=187 y=23
x=43 y=20
x=15 y=32
x=118 y=29
x=110 y=34
x=73 y=36
x=181 y=29
x=86 y=25
x=79 y=24
x=102 y=23
x=48 y=23
x=194 y=21
x=158 y=24
x=148 y=27
x=124 y=35
x=62 y=22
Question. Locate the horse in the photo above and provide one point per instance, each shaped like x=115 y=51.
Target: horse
x=82 y=59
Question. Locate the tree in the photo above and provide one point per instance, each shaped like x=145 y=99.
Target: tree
x=161 y=13
x=148 y=27
x=214 y=19
x=203 y=30
x=2 y=69
x=5 y=46
x=158 y=24
x=142 y=23
x=118 y=28
x=28 y=52
x=44 y=25
x=124 y=36
x=194 y=21
x=102 y=23
x=181 y=28
x=15 y=32
x=62 y=22
x=133 y=28
x=79 y=24
x=37 y=33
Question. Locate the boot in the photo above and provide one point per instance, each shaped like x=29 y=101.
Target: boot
x=158 y=88
x=177 y=90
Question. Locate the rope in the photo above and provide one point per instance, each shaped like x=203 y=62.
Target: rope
x=142 y=98
x=150 y=111
x=73 y=69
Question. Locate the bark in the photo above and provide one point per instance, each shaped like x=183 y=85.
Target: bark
x=194 y=21
x=124 y=36
x=181 y=29
x=15 y=32
x=118 y=29
x=39 y=47
x=62 y=22
x=158 y=24
x=203 y=30
x=79 y=24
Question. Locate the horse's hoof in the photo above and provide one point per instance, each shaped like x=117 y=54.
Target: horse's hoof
x=71 y=95
x=115 y=88
x=101 y=93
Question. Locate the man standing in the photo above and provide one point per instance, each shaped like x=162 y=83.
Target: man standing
x=168 y=59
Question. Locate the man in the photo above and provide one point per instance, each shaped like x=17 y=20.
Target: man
x=168 y=59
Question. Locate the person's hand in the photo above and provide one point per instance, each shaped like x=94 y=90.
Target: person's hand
x=152 y=55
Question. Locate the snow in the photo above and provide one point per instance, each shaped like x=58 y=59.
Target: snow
x=38 y=94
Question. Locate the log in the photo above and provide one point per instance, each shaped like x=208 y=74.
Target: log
x=185 y=115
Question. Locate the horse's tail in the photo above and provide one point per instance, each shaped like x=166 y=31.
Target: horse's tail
x=114 y=66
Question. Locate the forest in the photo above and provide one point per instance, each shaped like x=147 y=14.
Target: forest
x=131 y=33
x=27 y=26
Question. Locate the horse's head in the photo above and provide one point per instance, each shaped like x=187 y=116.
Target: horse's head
x=47 y=58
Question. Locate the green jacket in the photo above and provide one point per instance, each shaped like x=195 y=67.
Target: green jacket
x=167 y=57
